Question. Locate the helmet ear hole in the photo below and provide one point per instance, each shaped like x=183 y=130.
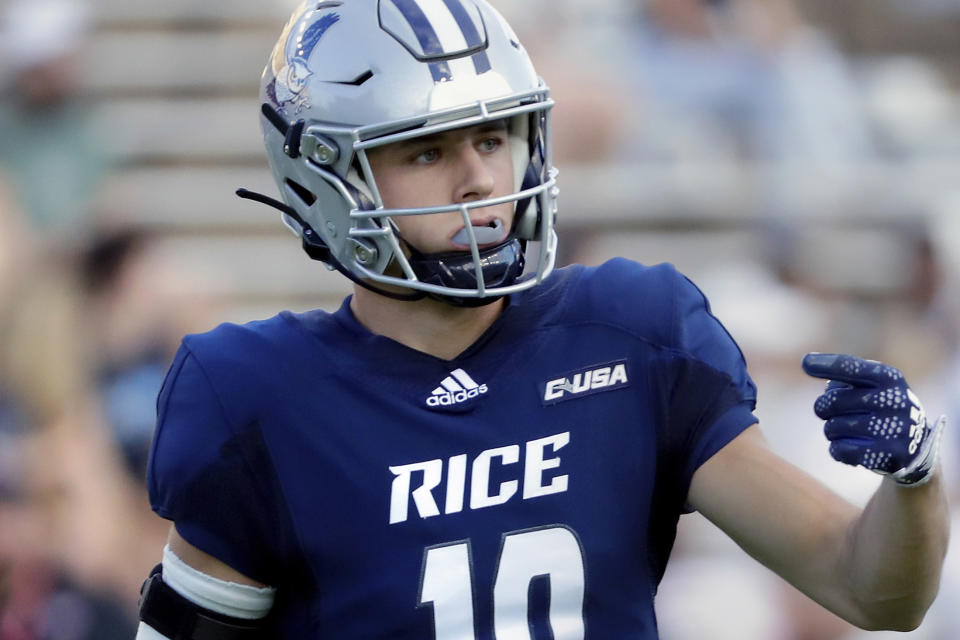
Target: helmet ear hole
x=305 y=195
x=358 y=187
x=363 y=201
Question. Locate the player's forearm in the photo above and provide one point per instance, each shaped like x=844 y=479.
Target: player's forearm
x=895 y=553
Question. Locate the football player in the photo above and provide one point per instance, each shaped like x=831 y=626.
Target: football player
x=476 y=444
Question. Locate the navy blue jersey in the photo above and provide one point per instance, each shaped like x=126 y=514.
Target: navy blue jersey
x=529 y=488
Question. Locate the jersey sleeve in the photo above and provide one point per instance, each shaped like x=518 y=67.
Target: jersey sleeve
x=707 y=395
x=200 y=473
x=714 y=395
x=706 y=400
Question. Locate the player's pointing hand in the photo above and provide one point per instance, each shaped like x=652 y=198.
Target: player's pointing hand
x=873 y=418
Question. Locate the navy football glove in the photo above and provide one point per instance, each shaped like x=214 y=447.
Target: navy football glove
x=873 y=418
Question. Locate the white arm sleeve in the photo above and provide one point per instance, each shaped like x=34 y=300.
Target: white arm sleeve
x=146 y=632
x=227 y=598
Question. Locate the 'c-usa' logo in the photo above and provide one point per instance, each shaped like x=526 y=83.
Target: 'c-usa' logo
x=292 y=79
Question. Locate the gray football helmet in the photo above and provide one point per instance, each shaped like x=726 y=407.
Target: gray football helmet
x=348 y=76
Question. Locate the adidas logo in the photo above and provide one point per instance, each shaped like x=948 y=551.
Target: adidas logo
x=456 y=388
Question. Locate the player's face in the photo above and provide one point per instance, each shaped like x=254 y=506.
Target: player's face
x=463 y=165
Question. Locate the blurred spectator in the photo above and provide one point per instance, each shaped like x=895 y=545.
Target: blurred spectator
x=135 y=316
x=59 y=506
x=135 y=311
x=130 y=348
x=39 y=600
x=743 y=79
x=50 y=143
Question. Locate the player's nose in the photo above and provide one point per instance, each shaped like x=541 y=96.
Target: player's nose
x=475 y=179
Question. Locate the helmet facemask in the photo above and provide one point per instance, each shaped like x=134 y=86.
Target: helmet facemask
x=479 y=274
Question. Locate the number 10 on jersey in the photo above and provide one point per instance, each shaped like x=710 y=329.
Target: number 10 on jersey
x=553 y=552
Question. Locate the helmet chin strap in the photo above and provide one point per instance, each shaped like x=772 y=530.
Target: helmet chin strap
x=502 y=266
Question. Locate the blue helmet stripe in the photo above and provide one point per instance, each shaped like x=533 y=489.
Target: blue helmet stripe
x=429 y=41
x=481 y=61
x=470 y=33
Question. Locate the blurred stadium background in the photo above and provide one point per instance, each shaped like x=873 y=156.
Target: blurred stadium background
x=799 y=159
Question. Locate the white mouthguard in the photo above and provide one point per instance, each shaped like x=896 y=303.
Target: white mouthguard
x=485 y=234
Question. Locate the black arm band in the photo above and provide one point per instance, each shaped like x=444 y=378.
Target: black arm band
x=177 y=618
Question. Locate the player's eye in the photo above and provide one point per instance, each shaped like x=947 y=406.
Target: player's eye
x=427 y=156
x=491 y=143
